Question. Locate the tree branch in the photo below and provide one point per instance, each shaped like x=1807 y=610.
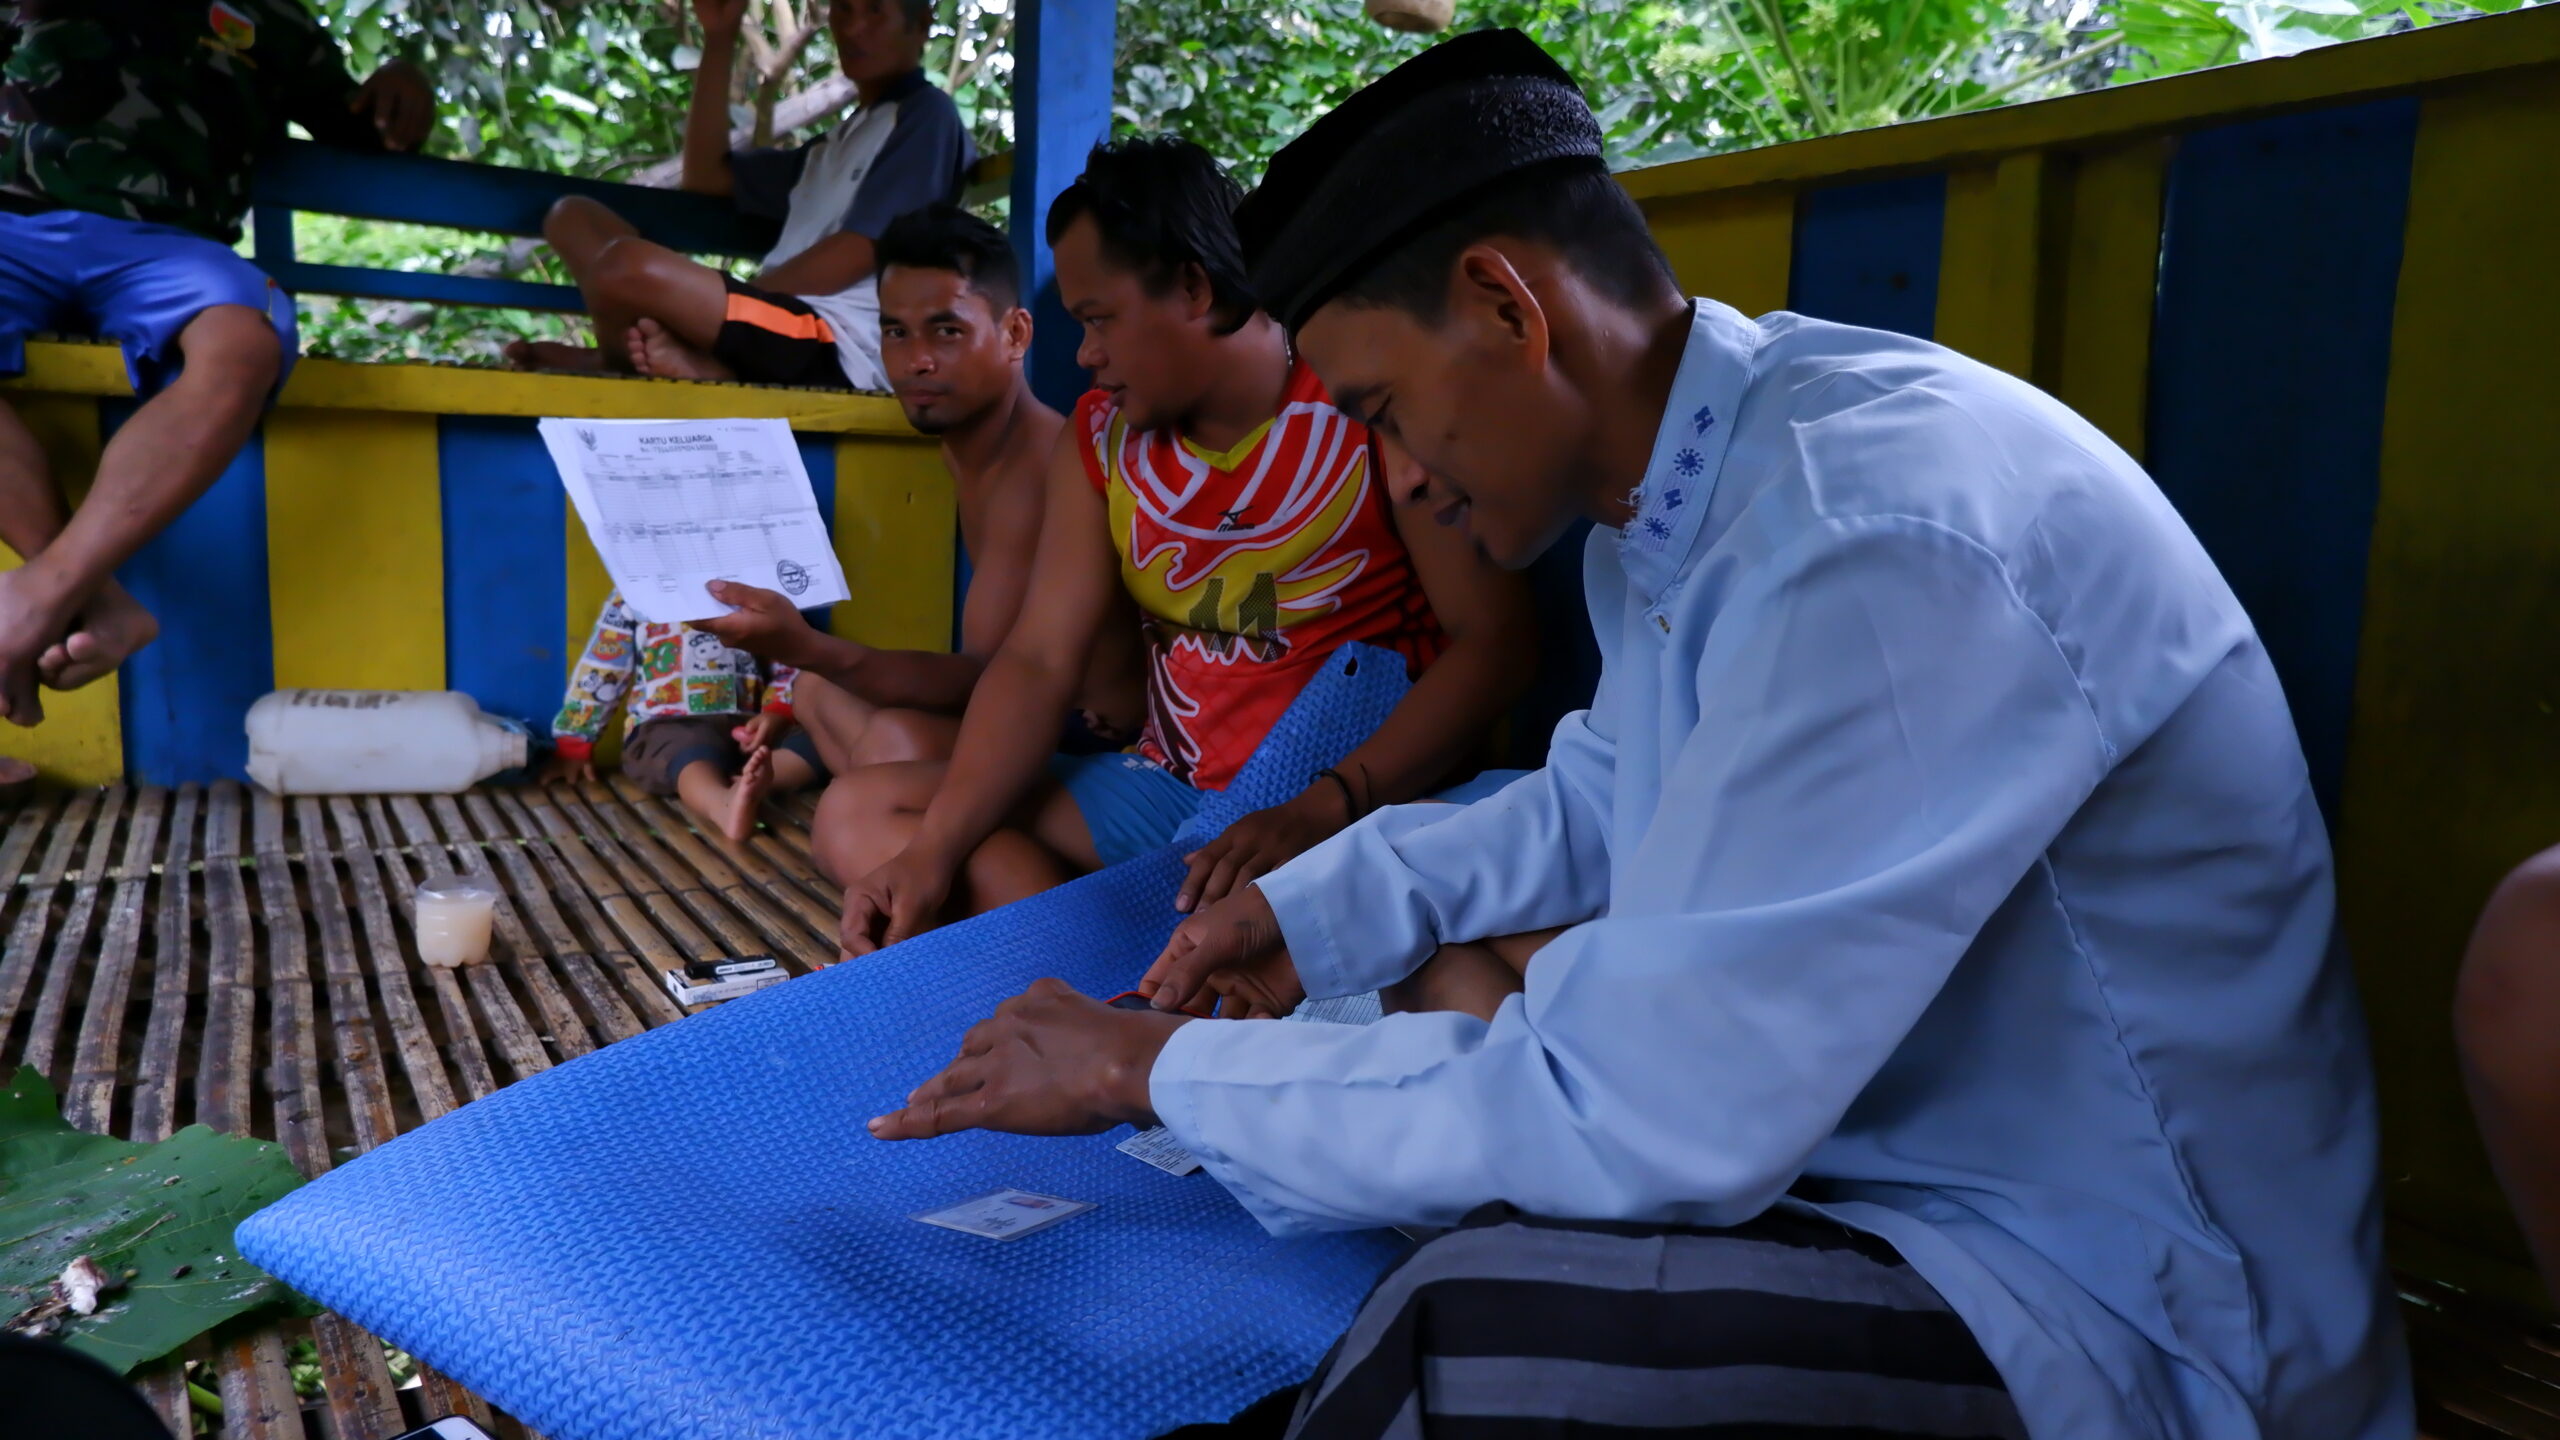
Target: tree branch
x=1825 y=120
x=769 y=83
x=996 y=40
x=792 y=48
x=1997 y=93
x=759 y=44
x=1751 y=56
x=809 y=106
x=515 y=258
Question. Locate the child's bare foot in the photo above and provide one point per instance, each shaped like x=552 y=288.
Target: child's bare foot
x=553 y=355
x=656 y=352
x=746 y=795
x=106 y=634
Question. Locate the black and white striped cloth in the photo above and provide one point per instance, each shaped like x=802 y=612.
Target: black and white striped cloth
x=1511 y=1327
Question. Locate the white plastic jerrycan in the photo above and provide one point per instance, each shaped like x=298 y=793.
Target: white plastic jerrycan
x=377 y=742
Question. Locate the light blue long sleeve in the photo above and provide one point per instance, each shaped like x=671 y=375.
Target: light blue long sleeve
x=1939 y=855
x=1680 y=1058
x=1532 y=856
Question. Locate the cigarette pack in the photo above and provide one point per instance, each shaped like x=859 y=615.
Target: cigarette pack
x=690 y=992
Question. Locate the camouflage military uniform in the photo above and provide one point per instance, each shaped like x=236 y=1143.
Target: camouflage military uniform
x=155 y=110
x=128 y=132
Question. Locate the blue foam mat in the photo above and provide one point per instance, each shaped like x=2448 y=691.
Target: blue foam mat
x=689 y=1234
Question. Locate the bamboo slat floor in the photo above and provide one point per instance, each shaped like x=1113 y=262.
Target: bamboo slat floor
x=211 y=955
x=2486 y=1371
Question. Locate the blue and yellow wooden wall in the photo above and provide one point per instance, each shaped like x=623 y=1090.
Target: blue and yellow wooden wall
x=401 y=527
x=2320 y=299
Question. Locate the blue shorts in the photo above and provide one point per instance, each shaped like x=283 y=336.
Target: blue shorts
x=129 y=281
x=1130 y=803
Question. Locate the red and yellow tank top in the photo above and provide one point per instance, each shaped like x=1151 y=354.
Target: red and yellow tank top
x=1250 y=567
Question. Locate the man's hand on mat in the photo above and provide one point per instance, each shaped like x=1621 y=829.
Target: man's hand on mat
x=1050 y=1062
x=1261 y=843
x=901 y=898
x=763 y=624
x=560 y=768
x=1234 y=950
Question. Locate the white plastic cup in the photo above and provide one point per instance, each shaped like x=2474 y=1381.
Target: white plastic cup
x=455 y=913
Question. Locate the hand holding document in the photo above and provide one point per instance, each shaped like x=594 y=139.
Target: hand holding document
x=673 y=505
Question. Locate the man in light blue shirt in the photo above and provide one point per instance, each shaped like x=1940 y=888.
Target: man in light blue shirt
x=1949 y=919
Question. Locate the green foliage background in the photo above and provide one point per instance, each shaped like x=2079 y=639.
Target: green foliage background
x=599 y=87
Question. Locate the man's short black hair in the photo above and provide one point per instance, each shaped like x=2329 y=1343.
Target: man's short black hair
x=1162 y=203
x=1573 y=205
x=946 y=237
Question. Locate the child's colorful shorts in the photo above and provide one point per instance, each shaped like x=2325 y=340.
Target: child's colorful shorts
x=128 y=281
x=657 y=751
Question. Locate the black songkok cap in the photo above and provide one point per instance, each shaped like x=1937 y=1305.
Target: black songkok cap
x=1399 y=154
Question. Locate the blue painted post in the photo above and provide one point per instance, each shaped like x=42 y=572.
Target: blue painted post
x=1061 y=108
x=2268 y=380
x=185 y=699
x=271 y=236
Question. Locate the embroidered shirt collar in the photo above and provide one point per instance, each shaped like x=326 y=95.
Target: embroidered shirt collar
x=1689 y=449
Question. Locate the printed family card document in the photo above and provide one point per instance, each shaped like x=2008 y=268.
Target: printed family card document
x=673 y=505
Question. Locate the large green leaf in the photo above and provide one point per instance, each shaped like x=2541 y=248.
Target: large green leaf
x=164 y=1212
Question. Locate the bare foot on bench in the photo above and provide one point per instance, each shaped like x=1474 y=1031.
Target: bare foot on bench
x=105 y=635
x=746 y=795
x=660 y=355
x=553 y=355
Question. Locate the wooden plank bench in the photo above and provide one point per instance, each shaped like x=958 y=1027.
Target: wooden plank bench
x=2486 y=1370
x=210 y=955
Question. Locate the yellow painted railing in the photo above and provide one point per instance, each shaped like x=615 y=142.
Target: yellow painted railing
x=410 y=536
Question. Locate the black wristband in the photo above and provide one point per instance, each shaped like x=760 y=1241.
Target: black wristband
x=1350 y=799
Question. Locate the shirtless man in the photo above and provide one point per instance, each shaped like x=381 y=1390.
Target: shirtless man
x=952 y=336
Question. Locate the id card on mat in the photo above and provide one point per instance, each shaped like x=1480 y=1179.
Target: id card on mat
x=1003 y=1214
x=1158 y=1148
